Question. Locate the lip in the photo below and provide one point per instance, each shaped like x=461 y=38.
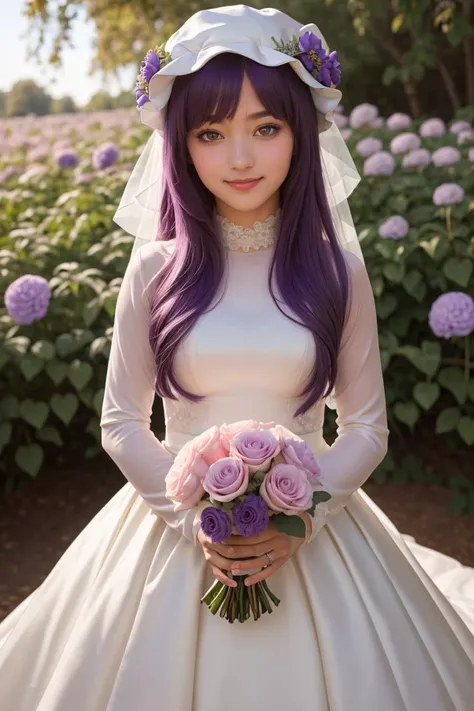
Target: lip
x=243 y=184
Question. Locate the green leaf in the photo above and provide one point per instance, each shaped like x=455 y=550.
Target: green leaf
x=35 y=413
x=68 y=343
x=452 y=379
x=426 y=359
x=458 y=270
x=98 y=400
x=6 y=430
x=17 y=346
x=80 y=373
x=91 y=311
x=291 y=525
x=318 y=497
x=394 y=272
x=407 y=412
x=9 y=408
x=386 y=305
x=448 y=420
x=43 y=350
x=29 y=458
x=64 y=406
x=50 y=434
x=414 y=285
x=57 y=371
x=30 y=366
x=426 y=394
x=466 y=429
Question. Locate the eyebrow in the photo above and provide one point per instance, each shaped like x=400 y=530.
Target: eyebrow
x=259 y=114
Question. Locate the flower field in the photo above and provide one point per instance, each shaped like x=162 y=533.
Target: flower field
x=62 y=260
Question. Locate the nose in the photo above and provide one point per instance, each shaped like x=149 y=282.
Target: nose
x=242 y=157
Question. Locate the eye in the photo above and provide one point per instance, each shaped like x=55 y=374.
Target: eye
x=208 y=136
x=270 y=129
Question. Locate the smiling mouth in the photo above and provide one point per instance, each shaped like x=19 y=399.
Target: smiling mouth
x=243 y=184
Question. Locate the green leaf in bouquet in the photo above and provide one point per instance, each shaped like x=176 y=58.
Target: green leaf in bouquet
x=56 y=371
x=64 y=406
x=466 y=429
x=79 y=373
x=29 y=458
x=458 y=270
x=6 y=430
x=426 y=394
x=43 y=350
x=291 y=525
x=319 y=497
x=30 y=366
x=453 y=379
x=51 y=435
x=35 y=413
x=448 y=420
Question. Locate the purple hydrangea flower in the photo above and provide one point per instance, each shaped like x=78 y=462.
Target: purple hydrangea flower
x=377 y=123
x=27 y=299
x=471 y=155
x=362 y=115
x=452 y=314
x=405 y=142
x=339 y=109
x=105 y=156
x=67 y=158
x=458 y=126
x=367 y=146
x=466 y=136
x=432 y=128
x=340 y=120
x=346 y=133
x=398 y=122
x=380 y=163
x=396 y=227
x=448 y=194
x=216 y=524
x=250 y=516
x=447 y=155
x=416 y=159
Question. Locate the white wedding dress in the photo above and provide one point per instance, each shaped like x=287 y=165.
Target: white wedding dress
x=369 y=620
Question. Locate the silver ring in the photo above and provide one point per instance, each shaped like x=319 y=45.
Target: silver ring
x=270 y=559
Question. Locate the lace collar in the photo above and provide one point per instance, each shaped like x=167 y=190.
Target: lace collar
x=245 y=239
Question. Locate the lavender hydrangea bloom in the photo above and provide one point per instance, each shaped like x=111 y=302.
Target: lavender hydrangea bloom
x=466 y=136
x=27 y=299
x=416 y=159
x=363 y=115
x=105 y=156
x=447 y=155
x=458 y=126
x=471 y=155
x=396 y=227
x=67 y=158
x=367 y=146
x=405 y=142
x=340 y=120
x=250 y=516
x=432 y=128
x=452 y=314
x=346 y=133
x=380 y=163
x=377 y=123
x=448 y=194
x=8 y=172
x=398 y=121
x=216 y=524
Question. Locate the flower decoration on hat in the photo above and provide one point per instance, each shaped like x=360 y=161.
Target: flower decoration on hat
x=154 y=60
x=309 y=49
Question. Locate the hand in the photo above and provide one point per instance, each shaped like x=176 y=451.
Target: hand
x=214 y=553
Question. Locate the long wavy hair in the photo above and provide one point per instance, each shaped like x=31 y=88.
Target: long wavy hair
x=308 y=265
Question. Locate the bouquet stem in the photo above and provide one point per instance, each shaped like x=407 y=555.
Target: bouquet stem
x=240 y=602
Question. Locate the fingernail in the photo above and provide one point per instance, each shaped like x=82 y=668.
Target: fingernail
x=233 y=584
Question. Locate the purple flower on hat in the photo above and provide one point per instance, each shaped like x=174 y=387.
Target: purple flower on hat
x=155 y=59
x=447 y=155
x=380 y=163
x=452 y=314
x=250 y=516
x=396 y=227
x=418 y=158
x=312 y=52
x=448 y=194
x=150 y=65
x=27 y=299
x=216 y=524
x=332 y=66
x=432 y=128
x=105 y=156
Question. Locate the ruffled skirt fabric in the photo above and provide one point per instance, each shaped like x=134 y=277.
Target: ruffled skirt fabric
x=369 y=620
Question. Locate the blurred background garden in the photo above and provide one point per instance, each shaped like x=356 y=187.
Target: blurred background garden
x=69 y=137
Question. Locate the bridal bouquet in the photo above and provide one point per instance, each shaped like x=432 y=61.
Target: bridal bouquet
x=241 y=475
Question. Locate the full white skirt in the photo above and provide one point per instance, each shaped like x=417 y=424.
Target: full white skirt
x=369 y=620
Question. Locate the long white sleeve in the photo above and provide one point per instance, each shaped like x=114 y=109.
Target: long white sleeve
x=362 y=432
x=128 y=401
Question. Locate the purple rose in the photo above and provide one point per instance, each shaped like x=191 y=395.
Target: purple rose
x=216 y=524
x=286 y=489
x=226 y=479
x=298 y=453
x=250 y=516
x=255 y=448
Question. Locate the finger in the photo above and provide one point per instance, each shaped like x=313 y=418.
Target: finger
x=215 y=558
x=253 y=550
x=266 y=572
x=241 y=567
x=252 y=540
x=222 y=577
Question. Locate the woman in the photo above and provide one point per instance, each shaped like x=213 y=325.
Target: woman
x=253 y=302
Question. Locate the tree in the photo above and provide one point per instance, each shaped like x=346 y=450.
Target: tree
x=26 y=97
x=64 y=105
x=101 y=101
x=3 y=101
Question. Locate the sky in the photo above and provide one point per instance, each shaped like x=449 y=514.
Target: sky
x=71 y=78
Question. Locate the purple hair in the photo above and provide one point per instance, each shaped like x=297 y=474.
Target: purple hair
x=309 y=269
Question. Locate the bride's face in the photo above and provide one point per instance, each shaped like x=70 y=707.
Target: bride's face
x=244 y=160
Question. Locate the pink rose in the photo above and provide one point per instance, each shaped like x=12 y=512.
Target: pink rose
x=226 y=479
x=256 y=448
x=185 y=477
x=208 y=444
x=286 y=489
x=228 y=432
x=298 y=453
